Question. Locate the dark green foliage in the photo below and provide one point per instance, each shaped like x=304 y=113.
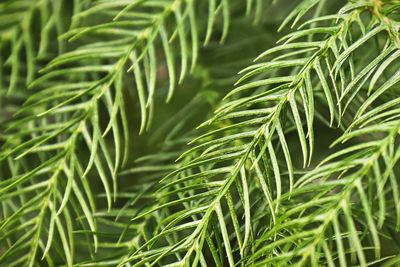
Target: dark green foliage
x=295 y=162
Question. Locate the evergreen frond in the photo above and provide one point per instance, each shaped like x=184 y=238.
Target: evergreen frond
x=354 y=196
x=74 y=91
x=23 y=52
x=296 y=166
x=262 y=114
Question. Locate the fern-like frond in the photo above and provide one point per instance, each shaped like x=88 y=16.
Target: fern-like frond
x=132 y=36
x=64 y=129
x=351 y=198
x=173 y=136
x=259 y=186
x=26 y=30
x=140 y=196
x=345 y=197
x=245 y=165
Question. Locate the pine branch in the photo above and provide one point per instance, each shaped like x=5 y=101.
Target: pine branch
x=173 y=136
x=22 y=50
x=246 y=149
x=258 y=187
x=65 y=111
x=341 y=212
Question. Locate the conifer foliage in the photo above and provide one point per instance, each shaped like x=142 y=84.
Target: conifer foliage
x=128 y=138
